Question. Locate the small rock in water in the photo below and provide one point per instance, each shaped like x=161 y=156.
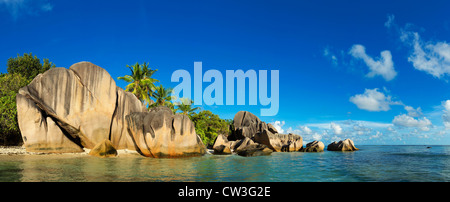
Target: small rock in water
x=104 y=149
x=315 y=146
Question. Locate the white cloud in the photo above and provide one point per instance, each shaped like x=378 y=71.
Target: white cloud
x=408 y=121
x=432 y=57
x=337 y=129
x=327 y=53
x=47 y=7
x=390 y=21
x=278 y=125
x=316 y=136
x=413 y=112
x=446 y=115
x=384 y=66
x=18 y=8
x=306 y=130
x=376 y=136
x=357 y=130
x=373 y=100
x=402 y=128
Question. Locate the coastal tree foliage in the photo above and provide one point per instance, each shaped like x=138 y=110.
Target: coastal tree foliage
x=28 y=66
x=163 y=97
x=185 y=107
x=21 y=71
x=209 y=125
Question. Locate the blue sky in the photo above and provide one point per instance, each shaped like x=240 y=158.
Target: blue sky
x=373 y=71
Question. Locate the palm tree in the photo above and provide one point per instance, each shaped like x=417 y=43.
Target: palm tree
x=148 y=73
x=140 y=82
x=185 y=106
x=163 y=96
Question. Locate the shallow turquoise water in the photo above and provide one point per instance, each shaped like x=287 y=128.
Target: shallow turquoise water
x=370 y=163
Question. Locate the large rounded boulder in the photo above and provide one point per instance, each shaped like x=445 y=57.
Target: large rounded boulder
x=160 y=133
x=248 y=125
x=343 y=145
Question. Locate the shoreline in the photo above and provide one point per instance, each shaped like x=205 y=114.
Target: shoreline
x=20 y=150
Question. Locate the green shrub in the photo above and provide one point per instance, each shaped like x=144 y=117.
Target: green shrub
x=28 y=65
x=209 y=125
x=9 y=128
x=21 y=71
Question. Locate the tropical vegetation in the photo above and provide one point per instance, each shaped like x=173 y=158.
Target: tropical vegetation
x=209 y=125
x=185 y=106
x=163 y=97
x=21 y=71
x=141 y=83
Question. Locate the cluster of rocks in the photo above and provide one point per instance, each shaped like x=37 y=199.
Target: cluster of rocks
x=69 y=110
x=252 y=137
x=243 y=147
x=318 y=146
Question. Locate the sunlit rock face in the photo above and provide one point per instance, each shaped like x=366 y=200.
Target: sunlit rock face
x=343 y=145
x=66 y=110
x=160 y=133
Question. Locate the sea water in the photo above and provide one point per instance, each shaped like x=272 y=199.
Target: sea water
x=369 y=164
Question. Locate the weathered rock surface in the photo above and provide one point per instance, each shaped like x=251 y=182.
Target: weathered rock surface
x=127 y=103
x=247 y=147
x=39 y=132
x=247 y=125
x=160 y=133
x=314 y=146
x=222 y=145
x=271 y=128
x=103 y=149
x=280 y=142
x=343 y=145
x=64 y=110
x=242 y=147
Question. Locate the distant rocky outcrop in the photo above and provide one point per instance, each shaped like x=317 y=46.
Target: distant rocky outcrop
x=242 y=147
x=314 y=146
x=246 y=124
x=343 y=145
x=160 y=133
x=252 y=137
x=279 y=142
